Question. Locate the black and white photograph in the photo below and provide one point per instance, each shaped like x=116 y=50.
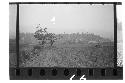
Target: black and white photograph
x=64 y=35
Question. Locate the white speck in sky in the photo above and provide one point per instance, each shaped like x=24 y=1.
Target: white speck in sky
x=53 y=20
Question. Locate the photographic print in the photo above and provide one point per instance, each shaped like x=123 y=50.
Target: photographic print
x=64 y=36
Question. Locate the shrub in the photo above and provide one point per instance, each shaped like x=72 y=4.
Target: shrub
x=42 y=35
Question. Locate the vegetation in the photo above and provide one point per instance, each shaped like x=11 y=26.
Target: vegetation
x=12 y=52
x=43 y=35
x=44 y=49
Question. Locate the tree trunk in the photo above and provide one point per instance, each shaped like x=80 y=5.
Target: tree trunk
x=52 y=42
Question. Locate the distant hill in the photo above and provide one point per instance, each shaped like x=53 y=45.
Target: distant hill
x=28 y=38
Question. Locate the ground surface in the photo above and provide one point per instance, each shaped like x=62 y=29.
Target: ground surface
x=70 y=51
x=74 y=55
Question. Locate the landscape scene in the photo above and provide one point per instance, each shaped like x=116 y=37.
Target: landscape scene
x=68 y=50
x=56 y=40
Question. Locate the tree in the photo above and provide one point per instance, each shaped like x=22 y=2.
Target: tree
x=43 y=35
x=40 y=34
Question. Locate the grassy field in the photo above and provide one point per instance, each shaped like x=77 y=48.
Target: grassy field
x=12 y=52
x=67 y=56
x=66 y=52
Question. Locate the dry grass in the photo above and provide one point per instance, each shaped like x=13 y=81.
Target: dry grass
x=86 y=56
x=65 y=52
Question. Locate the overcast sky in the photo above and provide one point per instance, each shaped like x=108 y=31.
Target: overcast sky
x=60 y=18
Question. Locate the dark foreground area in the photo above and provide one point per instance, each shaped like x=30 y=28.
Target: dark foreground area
x=66 y=56
x=63 y=54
